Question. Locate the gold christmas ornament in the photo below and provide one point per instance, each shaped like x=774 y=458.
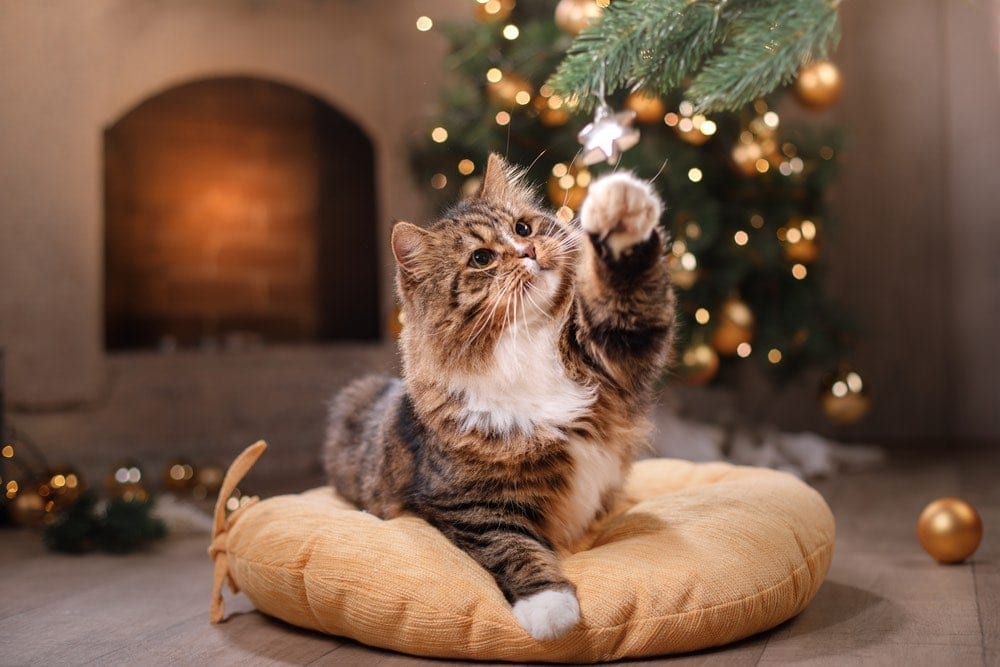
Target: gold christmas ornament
x=800 y=241
x=553 y=110
x=949 y=529
x=844 y=396
x=509 y=91
x=699 y=364
x=491 y=11
x=573 y=16
x=568 y=185
x=819 y=85
x=648 y=108
x=735 y=327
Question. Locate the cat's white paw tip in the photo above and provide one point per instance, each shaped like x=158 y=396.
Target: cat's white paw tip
x=548 y=614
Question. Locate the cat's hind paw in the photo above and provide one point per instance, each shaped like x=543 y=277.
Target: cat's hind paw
x=548 y=614
x=620 y=210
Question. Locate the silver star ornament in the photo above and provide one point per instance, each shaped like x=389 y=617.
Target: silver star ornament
x=608 y=136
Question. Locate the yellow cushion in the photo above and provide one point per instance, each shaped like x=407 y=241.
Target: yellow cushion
x=710 y=554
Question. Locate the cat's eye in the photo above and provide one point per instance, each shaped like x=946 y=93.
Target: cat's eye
x=481 y=258
x=521 y=228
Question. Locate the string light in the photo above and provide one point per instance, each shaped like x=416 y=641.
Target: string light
x=510 y=31
x=741 y=238
x=493 y=75
x=743 y=350
x=694 y=174
x=774 y=355
x=702 y=316
x=466 y=167
x=439 y=181
x=439 y=135
x=503 y=118
x=424 y=23
x=799 y=271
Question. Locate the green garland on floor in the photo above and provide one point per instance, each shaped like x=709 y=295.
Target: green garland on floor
x=121 y=526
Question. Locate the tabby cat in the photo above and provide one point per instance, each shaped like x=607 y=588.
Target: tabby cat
x=529 y=351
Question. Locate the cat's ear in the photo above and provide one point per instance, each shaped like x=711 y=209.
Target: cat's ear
x=497 y=179
x=408 y=244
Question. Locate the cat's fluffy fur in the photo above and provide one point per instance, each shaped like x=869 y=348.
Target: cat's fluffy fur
x=527 y=380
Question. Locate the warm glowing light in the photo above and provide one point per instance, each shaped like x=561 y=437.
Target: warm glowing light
x=565 y=213
x=799 y=271
x=583 y=178
x=826 y=153
x=686 y=108
x=671 y=119
x=756 y=221
x=510 y=31
x=743 y=350
x=493 y=75
x=808 y=228
x=424 y=23
x=839 y=389
x=439 y=181
x=522 y=97
x=702 y=316
x=567 y=181
x=692 y=229
x=678 y=248
x=466 y=167
x=233 y=504
x=741 y=238
x=793 y=235
x=771 y=119
x=503 y=118
x=685 y=125
x=603 y=4
x=746 y=137
x=854 y=382
x=546 y=90
x=694 y=174
x=796 y=164
x=689 y=261
x=439 y=135
x=761 y=165
x=555 y=102
x=559 y=170
x=7 y=452
x=58 y=481
x=708 y=128
x=785 y=169
x=774 y=355
x=492 y=6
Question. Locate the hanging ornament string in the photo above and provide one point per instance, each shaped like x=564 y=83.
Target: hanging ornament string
x=610 y=133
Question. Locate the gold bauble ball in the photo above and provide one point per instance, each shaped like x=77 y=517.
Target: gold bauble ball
x=745 y=157
x=800 y=241
x=179 y=476
x=569 y=187
x=819 y=84
x=735 y=327
x=573 y=16
x=699 y=364
x=503 y=93
x=647 y=108
x=844 y=396
x=950 y=530
x=552 y=110
x=29 y=508
x=491 y=11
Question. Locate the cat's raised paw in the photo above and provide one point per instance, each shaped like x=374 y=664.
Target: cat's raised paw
x=621 y=210
x=548 y=614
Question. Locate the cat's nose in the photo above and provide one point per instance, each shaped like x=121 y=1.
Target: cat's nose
x=527 y=250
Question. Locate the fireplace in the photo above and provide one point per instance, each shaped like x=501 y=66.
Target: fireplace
x=239 y=209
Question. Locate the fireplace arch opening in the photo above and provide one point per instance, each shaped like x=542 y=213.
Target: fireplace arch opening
x=238 y=208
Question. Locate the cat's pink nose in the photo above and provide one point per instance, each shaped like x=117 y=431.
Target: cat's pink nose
x=528 y=250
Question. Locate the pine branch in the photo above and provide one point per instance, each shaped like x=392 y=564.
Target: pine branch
x=734 y=50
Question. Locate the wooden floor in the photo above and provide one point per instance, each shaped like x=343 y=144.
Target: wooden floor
x=884 y=602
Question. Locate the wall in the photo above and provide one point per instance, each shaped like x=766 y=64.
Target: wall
x=71 y=69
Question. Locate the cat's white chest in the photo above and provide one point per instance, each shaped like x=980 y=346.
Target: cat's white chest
x=596 y=471
x=526 y=388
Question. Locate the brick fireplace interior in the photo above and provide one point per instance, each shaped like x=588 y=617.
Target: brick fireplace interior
x=238 y=209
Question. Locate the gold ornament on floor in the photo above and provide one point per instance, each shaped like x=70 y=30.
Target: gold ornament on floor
x=574 y=16
x=568 y=185
x=699 y=364
x=800 y=241
x=819 y=85
x=950 y=529
x=125 y=482
x=736 y=326
x=491 y=11
x=648 y=108
x=509 y=91
x=844 y=396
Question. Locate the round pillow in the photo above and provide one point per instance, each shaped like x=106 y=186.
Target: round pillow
x=710 y=553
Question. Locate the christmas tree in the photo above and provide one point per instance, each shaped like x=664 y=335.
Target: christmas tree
x=745 y=193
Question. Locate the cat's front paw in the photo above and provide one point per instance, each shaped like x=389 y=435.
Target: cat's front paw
x=548 y=614
x=620 y=210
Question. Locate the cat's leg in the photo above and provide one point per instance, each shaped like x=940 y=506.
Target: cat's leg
x=622 y=319
x=526 y=570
